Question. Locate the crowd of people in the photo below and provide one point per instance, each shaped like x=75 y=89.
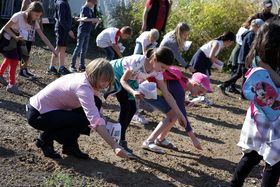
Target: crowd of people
x=70 y=106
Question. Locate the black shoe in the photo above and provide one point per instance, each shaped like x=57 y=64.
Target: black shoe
x=123 y=143
x=63 y=71
x=234 y=90
x=29 y=74
x=48 y=150
x=74 y=151
x=52 y=71
x=82 y=68
x=222 y=88
x=23 y=73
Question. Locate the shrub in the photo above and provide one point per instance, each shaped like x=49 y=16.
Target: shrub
x=207 y=18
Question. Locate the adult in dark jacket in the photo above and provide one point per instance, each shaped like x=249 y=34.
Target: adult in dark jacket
x=155 y=15
x=266 y=13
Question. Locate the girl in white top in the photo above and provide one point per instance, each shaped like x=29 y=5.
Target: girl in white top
x=205 y=56
x=145 y=41
x=130 y=71
x=20 y=28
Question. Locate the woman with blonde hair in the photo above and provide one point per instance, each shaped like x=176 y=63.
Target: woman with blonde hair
x=69 y=107
x=175 y=40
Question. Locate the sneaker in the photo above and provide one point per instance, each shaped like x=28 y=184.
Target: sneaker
x=123 y=143
x=29 y=74
x=74 y=151
x=48 y=150
x=234 y=90
x=53 y=71
x=73 y=69
x=138 y=118
x=3 y=81
x=13 y=89
x=23 y=73
x=82 y=68
x=63 y=71
x=222 y=88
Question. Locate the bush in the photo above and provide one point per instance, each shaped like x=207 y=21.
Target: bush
x=208 y=19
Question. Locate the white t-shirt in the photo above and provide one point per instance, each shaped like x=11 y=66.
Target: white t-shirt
x=144 y=40
x=206 y=48
x=239 y=34
x=107 y=37
x=135 y=63
x=25 y=30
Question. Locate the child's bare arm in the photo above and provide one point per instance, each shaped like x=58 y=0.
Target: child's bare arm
x=117 y=50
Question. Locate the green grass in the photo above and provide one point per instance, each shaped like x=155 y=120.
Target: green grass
x=62 y=179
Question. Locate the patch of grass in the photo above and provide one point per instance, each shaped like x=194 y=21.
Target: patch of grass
x=62 y=179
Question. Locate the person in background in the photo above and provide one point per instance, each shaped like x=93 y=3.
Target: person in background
x=88 y=19
x=23 y=65
x=63 y=24
x=147 y=40
x=233 y=59
x=266 y=12
x=108 y=40
x=205 y=56
x=20 y=28
x=247 y=40
x=155 y=15
x=175 y=40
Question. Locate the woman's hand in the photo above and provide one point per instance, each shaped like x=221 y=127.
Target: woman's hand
x=121 y=153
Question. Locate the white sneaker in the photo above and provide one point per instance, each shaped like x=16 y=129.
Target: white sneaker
x=137 y=118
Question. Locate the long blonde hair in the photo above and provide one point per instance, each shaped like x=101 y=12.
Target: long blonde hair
x=178 y=33
x=98 y=69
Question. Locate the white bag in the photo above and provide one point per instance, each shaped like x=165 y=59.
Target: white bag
x=149 y=89
x=218 y=65
x=114 y=130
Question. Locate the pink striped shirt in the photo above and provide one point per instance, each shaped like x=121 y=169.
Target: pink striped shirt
x=67 y=93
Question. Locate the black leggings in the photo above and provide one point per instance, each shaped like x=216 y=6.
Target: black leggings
x=240 y=72
x=61 y=125
x=128 y=109
x=249 y=160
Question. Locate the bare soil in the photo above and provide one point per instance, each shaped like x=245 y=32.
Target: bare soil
x=218 y=127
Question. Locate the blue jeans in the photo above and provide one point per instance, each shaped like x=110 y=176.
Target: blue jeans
x=110 y=53
x=81 y=48
x=138 y=48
